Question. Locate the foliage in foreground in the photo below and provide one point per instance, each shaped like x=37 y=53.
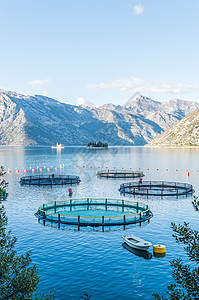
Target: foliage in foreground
x=3 y=184
x=86 y=296
x=18 y=276
x=186 y=286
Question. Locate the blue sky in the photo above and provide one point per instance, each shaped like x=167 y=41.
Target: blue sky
x=100 y=51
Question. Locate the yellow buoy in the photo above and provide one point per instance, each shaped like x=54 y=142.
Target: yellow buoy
x=159 y=248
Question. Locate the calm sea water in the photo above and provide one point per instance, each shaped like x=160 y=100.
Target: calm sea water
x=73 y=262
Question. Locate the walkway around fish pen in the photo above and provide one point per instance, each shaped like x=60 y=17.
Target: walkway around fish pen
x=157 y=188
x=119 y=173
x=49 y=180
x=76 y=212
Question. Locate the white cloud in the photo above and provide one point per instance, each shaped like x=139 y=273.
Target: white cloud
x=44 y=93
x=134 y=84
x=38 y=82
x=82 y=101
x=119 y=84
x=138 y=9
x=38 y=85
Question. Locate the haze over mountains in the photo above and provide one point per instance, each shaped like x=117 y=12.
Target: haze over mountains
x=40 y=120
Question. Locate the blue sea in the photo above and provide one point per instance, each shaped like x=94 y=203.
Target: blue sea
x=89 y=260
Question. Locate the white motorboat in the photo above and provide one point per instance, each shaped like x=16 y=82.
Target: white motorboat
x=136 y=242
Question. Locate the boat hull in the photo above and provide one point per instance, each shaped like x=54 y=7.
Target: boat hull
x=137 y=243
x=145 y=248
x=54 y=147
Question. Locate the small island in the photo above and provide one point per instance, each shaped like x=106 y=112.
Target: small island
x=98 y=145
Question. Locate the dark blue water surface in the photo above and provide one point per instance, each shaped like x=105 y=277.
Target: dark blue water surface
x=73 y=262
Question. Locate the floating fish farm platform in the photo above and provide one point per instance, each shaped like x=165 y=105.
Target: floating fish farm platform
x=49 y=180
x=119 y=173
x=157 y=188
x=94 y=212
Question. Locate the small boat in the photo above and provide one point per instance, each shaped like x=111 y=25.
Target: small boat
x=58 y=146
x=136 y=242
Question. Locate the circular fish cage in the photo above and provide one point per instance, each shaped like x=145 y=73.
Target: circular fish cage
x=157 y=188
x=49 y=179
x=119 y=173
x=94 y=212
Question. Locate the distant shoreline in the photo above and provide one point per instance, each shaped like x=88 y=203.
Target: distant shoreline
x=102 y=148
x=170 y=146
x=97 y=148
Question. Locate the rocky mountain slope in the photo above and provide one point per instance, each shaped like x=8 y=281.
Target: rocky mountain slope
x=184 y=133
x=40 y=120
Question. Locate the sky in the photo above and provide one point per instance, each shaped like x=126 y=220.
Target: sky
x=100 y=51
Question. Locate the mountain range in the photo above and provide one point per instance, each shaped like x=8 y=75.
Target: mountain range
x=183 y=133
x=40 y=120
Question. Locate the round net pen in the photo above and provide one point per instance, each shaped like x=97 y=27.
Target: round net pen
x=94 y=212
x=119 y=173
x=49 y=180
x=157 y=188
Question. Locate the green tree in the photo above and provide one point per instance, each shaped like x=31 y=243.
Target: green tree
x=186 y=286
x=86 y=296
x=18 y=276
x=3 y=185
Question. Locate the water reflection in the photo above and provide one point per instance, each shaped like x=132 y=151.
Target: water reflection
x=158 y=255
x=140 y=253
x=78 y=260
